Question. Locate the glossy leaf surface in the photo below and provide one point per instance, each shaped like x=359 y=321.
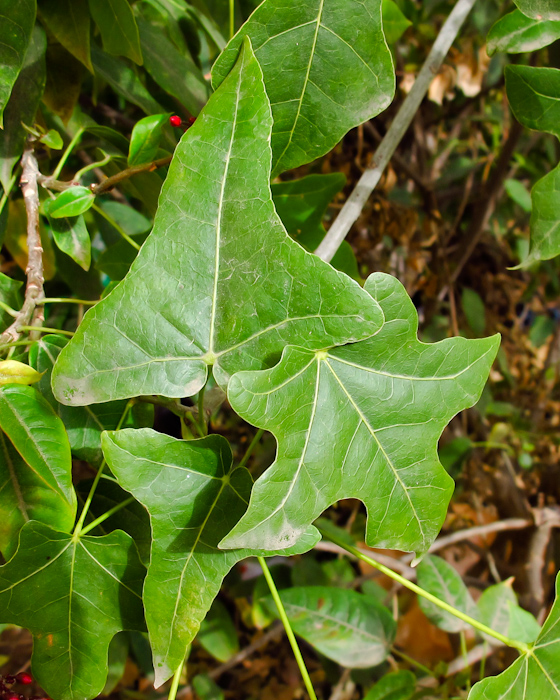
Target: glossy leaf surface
x=326 y=68
x=84 y=424
x=533 y=95
x=72 y=202
x=35 y=466
x=535 y=674
x=218 y=281
x=348 y=627
x=71 y=236
x=363 y=422
x=517 y=33
x=74 y=596
x=116 y=23
x=545 y=219
x=193 y=498
x=16 y=24
x=439 y=578
x=540 y=9
x=14 y=372
x=145 y=138
x=69 y=22
x=395 y=23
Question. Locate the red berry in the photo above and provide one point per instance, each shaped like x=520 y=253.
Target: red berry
x=24 y=678
x=192 y=120
x=175 y=120
x=12 y=696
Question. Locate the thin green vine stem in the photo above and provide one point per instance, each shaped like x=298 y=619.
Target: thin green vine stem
x=15 y=343
x=45 y=329
x=92 y=166
x=63 y=300
x=80 y=524
x=8 y=309
x=231 y=18
x=6 y=193
x=413 y=662
x=106 y=516
x=249 y=450
x=66 y=154
x=520 y=646
x=201 y=416
x=115 y=225
x=289 y=632
x=175 y=682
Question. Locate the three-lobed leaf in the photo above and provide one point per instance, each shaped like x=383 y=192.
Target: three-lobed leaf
x=218 y=282
x=326 y=66
x=73 y=595
x=16 y=25
x=193 y=498
x=35 y=466
x=361 y=421
x=536 y=674
x=517 y=33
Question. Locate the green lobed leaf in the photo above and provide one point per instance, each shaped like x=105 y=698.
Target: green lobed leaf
x=545 y=219
x=74 y=596
x=35 y=466
x=16 y=26
x=72 y=202
x=395 y=23
x=439 y=578
x=145 y=138
x=218 y=282
x=517 y=33
x=301 y=204
x=24 y=100
x=173 y=71
x=193 y=498
x=534 y=97
x=540 y=9
x=9 y=294
x=69 y=22
x=361 y=421
x=217 y=633
x=535 y=674
x=327 y=68
x=118 y=28
x=71 y=236
x=84 y=424
x=348 y=627
x=123 y=80
x=393 y=686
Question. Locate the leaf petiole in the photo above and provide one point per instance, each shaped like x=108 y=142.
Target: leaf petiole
x=45 y=329
x=116 y=226
x=288 y=628
x=67 y=153
x=175 y=682
x=248 y=452
x=106 y=516
x=520 y=646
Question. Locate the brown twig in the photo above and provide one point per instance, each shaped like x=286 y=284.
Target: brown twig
x=32 y=313
x=114 y=180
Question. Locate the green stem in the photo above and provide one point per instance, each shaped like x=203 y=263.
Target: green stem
x=15 y=343
x=6 y=193
x=288 y=628
x=79 y=525
x=45 y=329
x=414 y=663
x=231 y=18
x=92 y=166
x=201 y=416
x=520 y=646
x=114 y=224
x=175 y=682
x=8 y=309
x=257 y=437
x=66 y=154
x=465 y=655
x=106 y=516
x=62 y=300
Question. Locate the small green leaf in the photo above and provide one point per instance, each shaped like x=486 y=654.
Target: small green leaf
x=540 y=9
x=206 y=689
x=146 y=135
x=439 y=578
x=517 y=33
x=73 y=596
x=14 y=372
x=175 y=72
x=52 y=139
x=474 y=310
x=69 y=22
x=393 y=686
x=498 y=609
x=348 y=627
x=217 y=633
x=24 y=100
x=72 y=202
x=535 y=674
x=9 y=289
x=533 y=95
x=361 y=421
x=519 y=194
x=193 y=497
x=119 y=32
x=327 y=68
x=202 y=290
x=16 y=25
x=545 y=219
x=71 y=236
x=35 y=466
x=395 y=23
